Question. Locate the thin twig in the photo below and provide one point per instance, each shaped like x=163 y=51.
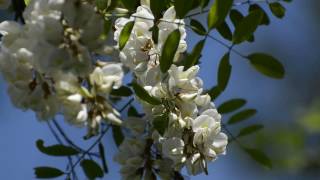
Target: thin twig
x=103 y=133
x=231 y=47
x=234 y=138
x=227 y=46
x=63 y=134
x=60 y=141
x=69 y=141
x=126 y=105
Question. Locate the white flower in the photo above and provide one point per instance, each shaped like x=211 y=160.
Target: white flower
x=151 y=76
x=173 y=148
x=76 y=98
x=184 y=84
x=188 y=109
x=168 y=24
x=220 y=142
x=108 y=77
x=82 y=115
x=217 y=145
x=75 y=113
x=144 y=16
x=15 y=66
x=22 y=97
x=10 y=27
x=203 y=100
x=140 y=38
x=195 y=164
x=113 y=116
x=66 y=85
x=63 y=35
x=206 y=125
x=145 y=2
x=128 y=149
x=165 y=167
x=140 y=47
x=136 y=125
x=130 y=171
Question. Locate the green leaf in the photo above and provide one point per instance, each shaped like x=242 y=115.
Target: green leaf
x=214 y=92
x=251 y=38
x=235 y=17
x=277 y=9
x=247 y=26
x=47 y=172
x=265 y=20
x=259 y=157
x=106 y=28
x=170 y=48
x=195 y=4
x=131 y=5
x=197 y=27
x=27 y=2
x=218 y=12
x=193 y=58
x=56 y=150
x=85 y=92
x=224 y=72
x=267 y=65
x=122 y=91
x=125 y=34
x=157 y=6
x=241 y=116
x=250 y=129
x=144 y=95
x=231 y=105
x=160 y=123
x=103 y=158
x=204 y=3
x=112 y=5
x=225 y=31
x=132 y=112
x=155 y=34
x=91 y=169
x=182 y=7
x=117 y=134
x=101 y=4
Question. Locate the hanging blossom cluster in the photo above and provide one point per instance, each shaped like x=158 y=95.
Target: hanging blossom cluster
x=193 y=136
x=51 y=67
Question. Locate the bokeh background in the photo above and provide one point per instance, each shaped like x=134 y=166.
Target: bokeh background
x=289 y=108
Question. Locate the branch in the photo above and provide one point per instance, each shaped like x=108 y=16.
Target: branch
x=69 y=141
x=234 y=138
x=231 y=48
x=60 y=141
x=126 y=105
x=103 y=133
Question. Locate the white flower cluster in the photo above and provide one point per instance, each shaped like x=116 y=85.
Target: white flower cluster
x=51 y=66
x=193 y=136
x=50 y=63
